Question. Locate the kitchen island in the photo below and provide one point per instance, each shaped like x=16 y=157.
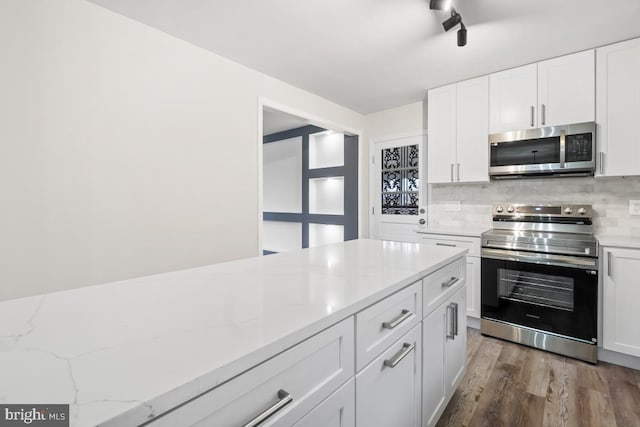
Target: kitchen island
x=126 y=352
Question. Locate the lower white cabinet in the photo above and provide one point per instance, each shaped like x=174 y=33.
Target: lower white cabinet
x=338 y=410
x=281 y=390
x=473 y=286
x=621 y=293
x=388 y=390
x=445 y=356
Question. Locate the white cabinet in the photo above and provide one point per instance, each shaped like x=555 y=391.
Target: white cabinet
x=566 y=89
x=473 y=271
x=441 y=134
x=621 y=293
x=618 y=108
x=457 y=132
x=444 y=332
x=558 y=91
x=513 y=98
x=282 y=389
x=338 y=410
x=388 y=390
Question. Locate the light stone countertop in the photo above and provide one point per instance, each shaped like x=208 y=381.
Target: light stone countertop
x=124 y=352
x=452 y=231
x=631 y=242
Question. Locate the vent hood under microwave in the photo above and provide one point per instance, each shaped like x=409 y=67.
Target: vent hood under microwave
x=550 y=151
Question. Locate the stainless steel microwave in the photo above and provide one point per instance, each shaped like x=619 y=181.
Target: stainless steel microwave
x=551 y=151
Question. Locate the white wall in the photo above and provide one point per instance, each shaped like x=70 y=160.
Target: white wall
x=125 y=151
x=402 y=120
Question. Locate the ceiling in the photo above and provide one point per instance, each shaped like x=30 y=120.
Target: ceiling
x=276 y=121
x=370 y=55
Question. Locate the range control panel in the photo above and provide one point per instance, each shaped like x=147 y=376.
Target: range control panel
x=516 y=210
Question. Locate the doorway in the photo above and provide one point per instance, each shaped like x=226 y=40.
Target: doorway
x=309 y=183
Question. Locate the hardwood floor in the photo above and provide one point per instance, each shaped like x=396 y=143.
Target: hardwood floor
x=510 y=385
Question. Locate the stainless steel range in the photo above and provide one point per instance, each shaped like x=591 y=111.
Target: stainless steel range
x=540 y=278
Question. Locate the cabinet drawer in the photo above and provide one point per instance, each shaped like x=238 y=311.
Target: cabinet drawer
x=441 y=284
x=288 y=386
x=388 y=390
x=338 y=410
x=383 y=323
x=470 y=243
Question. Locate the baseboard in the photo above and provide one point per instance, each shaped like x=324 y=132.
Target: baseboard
x=619 y=359
x=473 y=322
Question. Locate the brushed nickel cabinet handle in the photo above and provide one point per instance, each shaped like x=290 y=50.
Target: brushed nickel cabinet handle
x=451 y=172
x=446 y=244
x=449 y=283
x=455 y=318
x=458 y=172
x=609 y=264
x=284 y=399
x=543 y=111
x=448 y=321
x=404 y=315
x=533 y=112
x=397 y=358
x=602 y=163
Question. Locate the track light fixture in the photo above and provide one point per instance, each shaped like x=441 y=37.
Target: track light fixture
x=439 y=4
x=452 y=20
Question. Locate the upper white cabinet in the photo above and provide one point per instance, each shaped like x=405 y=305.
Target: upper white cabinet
x=621 y=292
x=441 y=134
x=555 y=92
x=513 y=99
x=457 y=132
x=566 y=89
x=618 y=108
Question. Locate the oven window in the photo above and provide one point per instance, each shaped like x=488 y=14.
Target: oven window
x=536 y=288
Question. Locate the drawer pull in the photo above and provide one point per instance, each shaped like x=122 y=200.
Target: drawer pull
x=397 y=358
x=451 y=245
x=449 y=283
x=449 y=319
x=285 y=399
x=455 y=318
x=404 y=315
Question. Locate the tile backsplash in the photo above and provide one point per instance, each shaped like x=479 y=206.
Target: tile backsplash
x=609 y=197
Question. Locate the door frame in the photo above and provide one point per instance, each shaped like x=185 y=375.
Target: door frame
x=373 y=174
x=313 y=119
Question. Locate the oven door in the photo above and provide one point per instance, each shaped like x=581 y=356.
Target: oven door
x=556 y=293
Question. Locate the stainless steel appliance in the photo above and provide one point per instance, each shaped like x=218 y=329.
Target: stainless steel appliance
x=540 y=278
x=552 y=151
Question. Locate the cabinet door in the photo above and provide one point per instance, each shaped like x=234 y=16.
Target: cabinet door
x=441 y=134
x=513 y=98
x=618 y=108
x=621 y=293
x=472 y=130
x=389 y=395
x=567 y=89
x=455 y=345
x=338 y=410
x=433 y=390
x=473 y=287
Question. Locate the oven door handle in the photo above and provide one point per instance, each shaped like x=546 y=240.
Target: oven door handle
x=540 y=258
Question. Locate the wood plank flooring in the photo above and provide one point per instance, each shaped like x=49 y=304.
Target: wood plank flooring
x=509 y=385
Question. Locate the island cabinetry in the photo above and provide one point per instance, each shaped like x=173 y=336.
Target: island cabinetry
x=280 y=391
x=444 y=342
x=338 y=410
x=388 y=390
x=382 y=324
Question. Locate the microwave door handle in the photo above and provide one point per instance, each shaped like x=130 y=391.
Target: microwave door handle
x=563 y=144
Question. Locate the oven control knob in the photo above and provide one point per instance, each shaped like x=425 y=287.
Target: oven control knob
x=582 y=211
x=499 y=209
x=568 y=211
x=510 y=209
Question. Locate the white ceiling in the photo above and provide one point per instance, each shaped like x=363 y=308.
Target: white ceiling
x=371 y=55
x=276 y=121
